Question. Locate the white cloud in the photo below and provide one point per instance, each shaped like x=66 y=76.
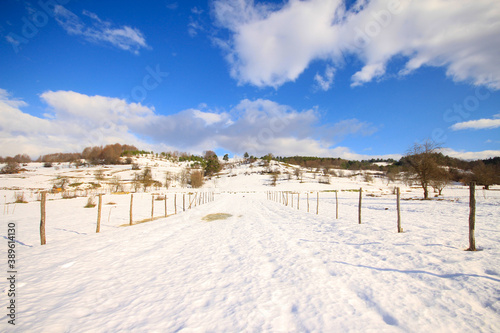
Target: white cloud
x=99 y=31
x=74 y=121
x=477 y=124
x=270 y=45
x=471 y=155
x=324 y=82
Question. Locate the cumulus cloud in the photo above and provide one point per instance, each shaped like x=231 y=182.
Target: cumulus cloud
x=99 y=31
x=74 y=121
x=273 y=44
x=471 y=155
x=478 y=124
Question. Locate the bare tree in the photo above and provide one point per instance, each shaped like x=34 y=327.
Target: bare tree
x=146 y=178
x=116 y=184
x=168 y=179
x=439 y=179
x=274 y=178
x=99 y=174
x=421 y=162
x=485 y=174
x=184 y=177
x=298 y=173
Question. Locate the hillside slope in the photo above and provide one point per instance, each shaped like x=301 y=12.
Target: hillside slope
x=267 y=268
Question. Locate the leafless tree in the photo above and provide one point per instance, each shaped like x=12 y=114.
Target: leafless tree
x=439 y=179
x=168 y=179
x=421 y=163
x=184 y=177
x=274 y=178
x=485 y=175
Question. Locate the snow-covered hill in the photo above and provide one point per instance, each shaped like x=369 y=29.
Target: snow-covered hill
x=265 y=268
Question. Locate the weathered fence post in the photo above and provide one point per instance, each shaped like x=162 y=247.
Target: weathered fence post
x=359 y=207
x=166 y=205
x=298 y=201
x=184 y=202
x=175 y=203
x=131 y=205
x=317 y=203
x=152 y=206
x=398 y=205
x=472 y=216
x=42 y=218
x=99 y=210
x=308 y=201
x=336 y=205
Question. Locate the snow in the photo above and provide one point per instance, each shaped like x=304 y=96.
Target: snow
x=266 y=268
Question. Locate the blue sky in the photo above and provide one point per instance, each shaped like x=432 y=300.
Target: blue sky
x=355 y=80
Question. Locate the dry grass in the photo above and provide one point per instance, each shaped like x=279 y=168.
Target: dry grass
x=143 y=221
x=217 y=216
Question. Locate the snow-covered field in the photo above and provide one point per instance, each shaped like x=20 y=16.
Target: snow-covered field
x=266 y=268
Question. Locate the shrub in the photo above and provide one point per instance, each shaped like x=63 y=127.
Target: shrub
x=324 y=180
x=90 y=202
x=68 y=195
x=197 y=179
x=19 y=197
x=11 y=167
x=367 y=177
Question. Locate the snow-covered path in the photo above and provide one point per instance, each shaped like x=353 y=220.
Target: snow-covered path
x=266 y=268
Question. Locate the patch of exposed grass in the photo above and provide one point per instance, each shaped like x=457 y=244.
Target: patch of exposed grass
x=217 y=216
x=143 y=221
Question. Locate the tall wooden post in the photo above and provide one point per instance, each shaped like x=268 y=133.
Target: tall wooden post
x=184 y=202
x=398 y=197
x=317 y=203
x=359 y=206
x=165 y=205
x=336 y=205
x=175 y=203
x=131 y=206
x=42 y=218
x=99 y=210
x=308 y=201
x=298 y=201
x=472 y=216
x=152 y=206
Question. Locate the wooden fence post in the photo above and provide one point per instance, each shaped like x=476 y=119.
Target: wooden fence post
x=175 y=203
x=359 y=206
x=152 y=206
x=131 y=205
x=336 y=205
x=308 y=201
x=184 y=202
x=317 y=203
x=42 y=218
x=472 y=216
x=99 y=210
x=298 y=201
x=398 y=197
